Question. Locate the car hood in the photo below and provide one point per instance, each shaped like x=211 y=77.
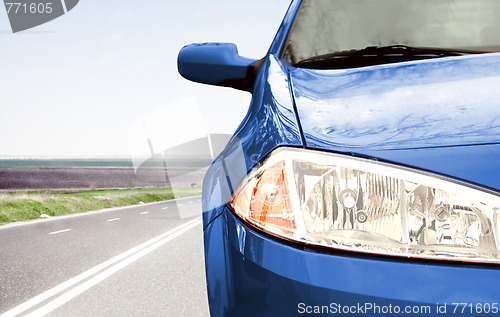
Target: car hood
x=420 y=107
x=429 y=103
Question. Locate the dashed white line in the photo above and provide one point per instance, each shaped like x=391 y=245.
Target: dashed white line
x=60 y=231
x=165 y=208
x=143 y=213
x=114 y=219
x=191 y=202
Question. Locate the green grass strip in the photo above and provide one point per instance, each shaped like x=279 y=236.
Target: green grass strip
x=21 y=205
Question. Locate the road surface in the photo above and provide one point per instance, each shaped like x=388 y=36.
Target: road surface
x=144 y=260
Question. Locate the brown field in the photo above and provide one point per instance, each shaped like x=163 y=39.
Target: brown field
x=22 y=178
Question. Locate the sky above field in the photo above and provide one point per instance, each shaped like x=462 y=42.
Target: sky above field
x=78 y=86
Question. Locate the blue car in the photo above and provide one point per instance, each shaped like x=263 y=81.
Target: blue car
x=364 y=179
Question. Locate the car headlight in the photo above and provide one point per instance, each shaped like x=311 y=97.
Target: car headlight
x=364 y=205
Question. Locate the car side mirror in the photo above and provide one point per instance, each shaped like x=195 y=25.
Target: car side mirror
x=217 y=64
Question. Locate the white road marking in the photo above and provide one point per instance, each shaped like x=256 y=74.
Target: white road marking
x=60 y=231
x=165 y=208
x=143 y=213
x=126 y=258
x=114 y=219
x=178 y=205
x=191 y=202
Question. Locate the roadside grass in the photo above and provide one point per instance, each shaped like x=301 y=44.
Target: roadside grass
x=28 y=205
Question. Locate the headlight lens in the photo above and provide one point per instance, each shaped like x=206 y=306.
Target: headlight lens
x=363 y=205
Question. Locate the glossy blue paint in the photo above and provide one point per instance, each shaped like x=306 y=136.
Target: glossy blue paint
x=218 y=273
x=212 y=63
x=428 y=103
x=280 y=38
x=262 y=276
x=271 y=120
x=216 y=191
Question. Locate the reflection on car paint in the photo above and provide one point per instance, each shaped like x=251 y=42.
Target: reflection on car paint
x=271 y=121
x=428 y=103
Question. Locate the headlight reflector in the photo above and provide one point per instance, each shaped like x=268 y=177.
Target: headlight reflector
x=363 y=205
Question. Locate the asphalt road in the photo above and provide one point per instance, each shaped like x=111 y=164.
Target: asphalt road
x=144 y=260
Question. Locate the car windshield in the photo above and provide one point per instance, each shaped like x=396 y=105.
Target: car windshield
x=339 y=28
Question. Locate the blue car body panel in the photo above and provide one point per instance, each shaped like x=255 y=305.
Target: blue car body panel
x=439 y=115
x=286 y=24
x=429 y=103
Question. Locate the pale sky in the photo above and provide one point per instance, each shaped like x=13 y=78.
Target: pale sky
x=73 y=87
